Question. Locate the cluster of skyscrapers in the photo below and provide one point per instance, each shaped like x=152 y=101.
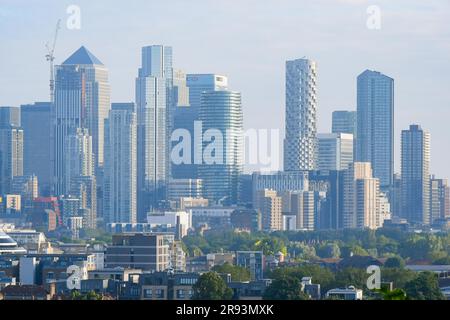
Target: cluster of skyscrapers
x=114 y=162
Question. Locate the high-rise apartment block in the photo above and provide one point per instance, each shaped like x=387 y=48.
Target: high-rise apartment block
x=415 y=168
x=361 y=197
x=303 y=207
x=439 y=199
x=375 y=124
x=11 y=156
x=120 y=173
x=222 y=148
x=301 y=115
x=270 y=205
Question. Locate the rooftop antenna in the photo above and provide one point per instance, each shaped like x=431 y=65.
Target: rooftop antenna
x=50 y=58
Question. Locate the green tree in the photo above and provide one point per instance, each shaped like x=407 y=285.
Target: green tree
x=91 y=295
x=356 y=250
x=285 y=288
x=398 y=276
x=270 y=246
x=424 y=287
x=441 y=261
x=319 y=274
x=237 y=273
x=210 y=286
x=328 y=250
x=423 y=247
x=302 y=251
x=196 y=245
x=351 y=277
x=395 y=262
x=396 y=294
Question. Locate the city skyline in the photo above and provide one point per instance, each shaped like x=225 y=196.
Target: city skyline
x=216 y=150
x=376 y=51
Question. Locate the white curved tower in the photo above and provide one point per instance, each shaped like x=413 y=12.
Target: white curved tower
x=301 y=115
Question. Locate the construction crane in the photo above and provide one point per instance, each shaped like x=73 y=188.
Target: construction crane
x=50 y=58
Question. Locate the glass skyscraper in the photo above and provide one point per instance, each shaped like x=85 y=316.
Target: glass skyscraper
x=301 y=115
x=375 y=124
x=415 y=185
x=185 y=116
x=154 y=112
x=222 y=111
x=35 y=119
x=120 y=179
x=334 y=150
x=199 y=83
x=81 y=101
x=344 y=122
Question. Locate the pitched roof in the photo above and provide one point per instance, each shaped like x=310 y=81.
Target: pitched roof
x=24 y=290
x=82 y=56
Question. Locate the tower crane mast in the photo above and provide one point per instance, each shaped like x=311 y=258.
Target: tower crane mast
x=50 y=57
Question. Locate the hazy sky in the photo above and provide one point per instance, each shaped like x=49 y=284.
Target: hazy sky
x=249 y=41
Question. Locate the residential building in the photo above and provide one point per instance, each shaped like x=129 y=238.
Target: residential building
x=212 y=217
x=301 y=115
x=184 y=188
x=375 y=125
x=222 y=124
x=415 y=160
x=167 y=286
x=334 y=151
x=144 y=251
x=246 y=219
x=350 y=293
x=280 y=182
x=85 y=189
x=187 y=115
x=199 y=83
x=120 y=171
x=252 y=260
x=179 y=219
x=270 y=205
x=303 y=207
x=439 y=199
x=11 y=156
x=361 y=197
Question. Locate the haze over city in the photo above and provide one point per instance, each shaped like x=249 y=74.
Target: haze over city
x=250 y=46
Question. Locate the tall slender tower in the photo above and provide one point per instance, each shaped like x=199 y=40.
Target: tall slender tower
x=415 y=183
x=154 y=118
x=81 y=101
x=120 y=202
x=301 y=115
x=222 y=120
x=375 y=125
